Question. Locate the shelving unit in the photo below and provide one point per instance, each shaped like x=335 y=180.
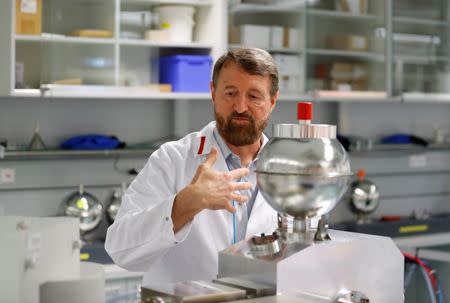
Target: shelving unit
x=420 y=53
x=107 y=67
x=315 y=24
x=397 y=70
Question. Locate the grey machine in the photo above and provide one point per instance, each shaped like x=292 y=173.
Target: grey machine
x=303 y=171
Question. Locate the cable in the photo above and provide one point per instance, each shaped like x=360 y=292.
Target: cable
x=428 y=284
x=234 y=224
x=430 y=278
x=422 y=264
x=409 y=274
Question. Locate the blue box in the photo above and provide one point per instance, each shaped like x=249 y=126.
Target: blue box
x=186 y=73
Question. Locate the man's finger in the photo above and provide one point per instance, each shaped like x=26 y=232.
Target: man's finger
x=230 y=207
x=212 y=157
x=239 y=172
x=241 y=186
x=239 y=198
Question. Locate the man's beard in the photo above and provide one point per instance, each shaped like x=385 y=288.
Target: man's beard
x=240 y=134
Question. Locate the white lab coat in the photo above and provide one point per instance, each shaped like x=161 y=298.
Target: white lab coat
x=142 y=237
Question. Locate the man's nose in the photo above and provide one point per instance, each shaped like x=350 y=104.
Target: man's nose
x=241 y=105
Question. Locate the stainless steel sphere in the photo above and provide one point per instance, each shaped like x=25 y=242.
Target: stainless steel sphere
x=303 y=177
x=364 y=197
x=85 y=206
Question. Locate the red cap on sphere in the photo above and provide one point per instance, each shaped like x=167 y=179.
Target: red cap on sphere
x=304 y=111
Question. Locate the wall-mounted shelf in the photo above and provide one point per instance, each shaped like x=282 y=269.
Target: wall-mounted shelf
x=345 y=53
x=345 y=15
x=411 y=59
x=148 y=43
x=63 y=39
x=261 y=8
x=117 y=92
x=410 y=20
x=419 y=97
x=167 y=2
x=271 y=49
x=75 y=154
x=350 y=96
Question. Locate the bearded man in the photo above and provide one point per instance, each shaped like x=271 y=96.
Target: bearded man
x=198 y=195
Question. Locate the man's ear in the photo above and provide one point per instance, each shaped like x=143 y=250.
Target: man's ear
x=273 y=100
x=213 y=90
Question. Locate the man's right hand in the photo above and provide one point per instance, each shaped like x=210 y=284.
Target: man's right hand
x=209 y=189
x=216 y=189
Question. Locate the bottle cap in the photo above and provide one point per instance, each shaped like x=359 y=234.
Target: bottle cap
x=304 y=111
x=361 y=174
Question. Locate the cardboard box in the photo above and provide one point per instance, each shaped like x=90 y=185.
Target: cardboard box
x=28 y=17
x=352 y=6
x=291 y=37
x=342 y=86
x=348 y=42
x=276 y=36
x=342 y=72
x=349 y=76
x=287 y=64
x=289 y=84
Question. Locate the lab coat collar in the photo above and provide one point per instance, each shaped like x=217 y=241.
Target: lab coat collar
x=204 y=141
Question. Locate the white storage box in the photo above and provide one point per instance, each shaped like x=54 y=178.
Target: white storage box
x=276 y=36
x=284 y=37
x=287 y=64
x=250 y=35
x=289 y=84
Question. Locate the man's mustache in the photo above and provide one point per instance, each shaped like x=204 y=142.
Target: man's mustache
x=241 y=115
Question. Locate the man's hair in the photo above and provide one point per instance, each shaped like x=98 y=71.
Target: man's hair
x=254 y=61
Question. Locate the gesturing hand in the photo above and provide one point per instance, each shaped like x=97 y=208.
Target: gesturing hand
x=214 y=189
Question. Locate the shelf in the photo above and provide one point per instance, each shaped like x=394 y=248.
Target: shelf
x=344 y=53
x=338 y=14
x=423 y=240
x=148 y=43
x=75 y=154
x=63 y=39
x=433 y=254
x=165 y=2
x=27 y=92
x=419 y=97
x=412 y=59
x=404 y=149
x=272 y=50
x=333 y=95
x=262 y=8
x=117 y=92
x=294 y=98
x=411 y=20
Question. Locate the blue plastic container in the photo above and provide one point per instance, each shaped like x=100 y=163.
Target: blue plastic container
x=186 y=73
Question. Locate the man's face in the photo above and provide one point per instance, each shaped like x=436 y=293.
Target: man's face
x=242 y=104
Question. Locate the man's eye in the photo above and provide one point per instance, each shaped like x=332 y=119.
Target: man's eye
x=254 y=97
x=230 y=94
